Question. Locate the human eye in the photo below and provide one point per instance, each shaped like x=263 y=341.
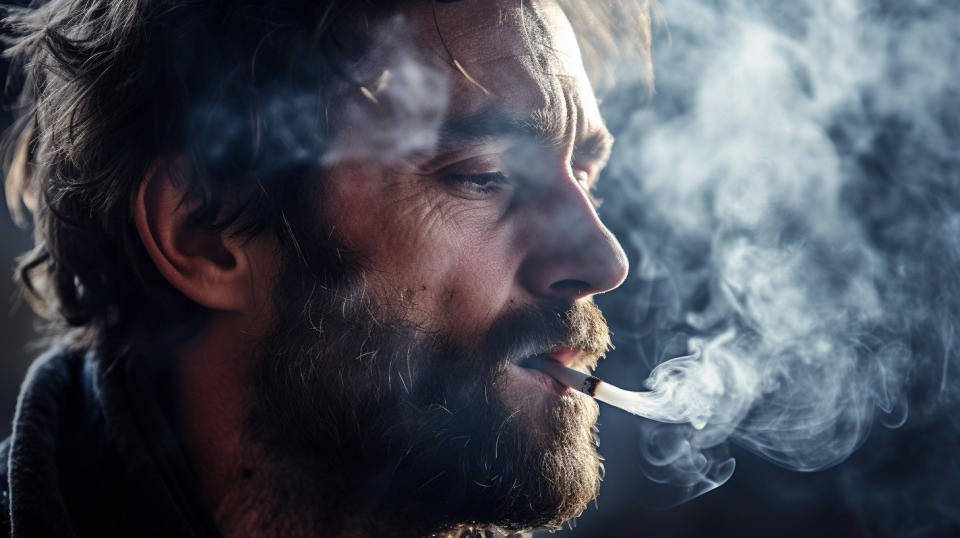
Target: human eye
x=480 y=183
x=476 y=178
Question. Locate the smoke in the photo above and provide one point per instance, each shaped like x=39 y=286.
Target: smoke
x=390 y=103
x=792 y=199
x=398 y=106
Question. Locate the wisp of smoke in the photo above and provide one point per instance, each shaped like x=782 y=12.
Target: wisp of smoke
x=793 y=193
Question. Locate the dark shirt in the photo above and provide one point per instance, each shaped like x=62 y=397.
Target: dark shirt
x=95 y=452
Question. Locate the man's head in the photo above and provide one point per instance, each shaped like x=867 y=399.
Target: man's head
x=393 y=200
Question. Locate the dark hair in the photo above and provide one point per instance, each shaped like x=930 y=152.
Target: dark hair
x=242 y=88
x=111 y=89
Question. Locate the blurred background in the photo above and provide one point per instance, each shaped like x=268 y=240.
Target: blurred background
x=793 y=182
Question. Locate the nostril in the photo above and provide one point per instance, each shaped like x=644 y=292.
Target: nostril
x=570 y=286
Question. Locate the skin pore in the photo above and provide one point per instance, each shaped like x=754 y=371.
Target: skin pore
x=452 y=264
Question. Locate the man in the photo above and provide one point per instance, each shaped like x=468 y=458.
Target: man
x=294 y=253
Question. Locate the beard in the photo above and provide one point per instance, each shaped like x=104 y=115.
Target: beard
x=364 y=416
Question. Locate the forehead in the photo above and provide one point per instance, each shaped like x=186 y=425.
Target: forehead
x=519 y=56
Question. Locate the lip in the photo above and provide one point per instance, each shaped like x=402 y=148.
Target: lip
x=565 y=356
x=541 y=379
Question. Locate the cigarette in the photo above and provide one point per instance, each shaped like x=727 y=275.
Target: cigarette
x=585 y=383
x=656 y=405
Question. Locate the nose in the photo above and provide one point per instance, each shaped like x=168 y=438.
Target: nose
x=571 y=254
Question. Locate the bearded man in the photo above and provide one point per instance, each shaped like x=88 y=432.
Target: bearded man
x=293 y=254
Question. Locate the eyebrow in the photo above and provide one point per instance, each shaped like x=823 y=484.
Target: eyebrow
x=493 y=124
x=483 y=125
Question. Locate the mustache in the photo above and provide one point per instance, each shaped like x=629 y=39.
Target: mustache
x=539 y=329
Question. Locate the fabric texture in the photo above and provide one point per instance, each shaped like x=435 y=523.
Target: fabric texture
x=94 y=452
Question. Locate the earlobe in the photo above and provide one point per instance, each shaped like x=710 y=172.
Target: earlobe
x=209 y=267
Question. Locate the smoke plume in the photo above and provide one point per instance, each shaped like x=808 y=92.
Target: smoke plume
x=792 y=202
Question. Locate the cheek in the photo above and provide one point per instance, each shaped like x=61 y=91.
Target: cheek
x=439 y=262
x=473 y=291
x=453 y=278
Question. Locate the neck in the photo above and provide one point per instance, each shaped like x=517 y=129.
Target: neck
x=213 y=402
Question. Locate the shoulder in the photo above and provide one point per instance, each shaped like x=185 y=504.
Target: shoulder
x=29 y=457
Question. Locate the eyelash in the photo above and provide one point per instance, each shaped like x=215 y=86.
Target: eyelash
x=489 y=182
x=484 y=183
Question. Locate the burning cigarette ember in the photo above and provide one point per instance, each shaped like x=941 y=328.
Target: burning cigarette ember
x=663 y=404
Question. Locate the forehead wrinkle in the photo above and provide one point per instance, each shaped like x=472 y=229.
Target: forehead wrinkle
x=532 y=45
x=550 y=125
x=506 y=31
x=478 y=37
x=521 y=29
x=545 y=61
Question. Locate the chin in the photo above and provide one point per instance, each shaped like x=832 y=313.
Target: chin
x=559 y=430
x=550 y=411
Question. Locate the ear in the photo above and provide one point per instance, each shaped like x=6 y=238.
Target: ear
x=210 y=268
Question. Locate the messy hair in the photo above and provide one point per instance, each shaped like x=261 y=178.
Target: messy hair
x=244 y=89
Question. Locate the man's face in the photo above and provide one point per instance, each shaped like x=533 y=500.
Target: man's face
x=499 y=215
x=464 y=258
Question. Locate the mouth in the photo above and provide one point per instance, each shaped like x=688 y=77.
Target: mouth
x=540 y=379
x=563 y=356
